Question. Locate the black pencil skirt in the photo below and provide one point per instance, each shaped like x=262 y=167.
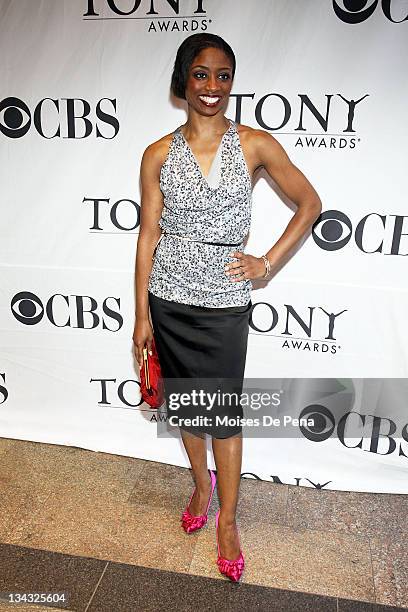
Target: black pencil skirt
x=208 y=345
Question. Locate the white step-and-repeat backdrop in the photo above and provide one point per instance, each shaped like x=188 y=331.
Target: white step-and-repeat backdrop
x=84 y=90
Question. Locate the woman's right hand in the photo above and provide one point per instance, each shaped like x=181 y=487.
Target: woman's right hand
x=142 y=335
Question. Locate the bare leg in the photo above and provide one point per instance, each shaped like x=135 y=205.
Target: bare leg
x=196 y=449
x=228 y=459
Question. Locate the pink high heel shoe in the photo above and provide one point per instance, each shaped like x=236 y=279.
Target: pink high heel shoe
x=190 y=522
x=232 y=569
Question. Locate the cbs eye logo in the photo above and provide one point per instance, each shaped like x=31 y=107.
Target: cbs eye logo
x=323 y=423
x=15 y=117
x=27 y=308
x=332 y=231
x=357 y=11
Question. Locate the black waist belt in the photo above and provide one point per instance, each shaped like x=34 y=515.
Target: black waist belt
x=203 y=241
x=220 y=243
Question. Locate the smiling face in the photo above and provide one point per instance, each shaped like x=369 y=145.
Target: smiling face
x=209 y=82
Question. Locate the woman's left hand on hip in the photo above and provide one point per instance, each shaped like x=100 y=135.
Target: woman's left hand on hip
x=247 y=267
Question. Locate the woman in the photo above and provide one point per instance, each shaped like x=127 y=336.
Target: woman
x=195 y=215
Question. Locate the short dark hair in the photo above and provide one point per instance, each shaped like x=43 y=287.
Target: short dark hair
x=188 y=50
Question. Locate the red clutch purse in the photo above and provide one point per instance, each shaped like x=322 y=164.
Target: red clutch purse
x=151 y=380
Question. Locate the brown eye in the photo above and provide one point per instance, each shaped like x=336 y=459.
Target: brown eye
x=226 y=75
x=198 y=75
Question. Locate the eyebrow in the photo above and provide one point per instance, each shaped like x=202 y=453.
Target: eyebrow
x=207 y=68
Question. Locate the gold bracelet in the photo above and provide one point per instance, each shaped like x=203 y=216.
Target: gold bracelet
x=267 y=266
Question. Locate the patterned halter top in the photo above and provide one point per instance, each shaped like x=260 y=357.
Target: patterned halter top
x=186 y=269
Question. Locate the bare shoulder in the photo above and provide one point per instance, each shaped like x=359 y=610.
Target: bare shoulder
x=155 y=154
x=256 y=137
x=261 y=145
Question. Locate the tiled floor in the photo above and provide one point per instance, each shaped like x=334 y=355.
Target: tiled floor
x=105 y=529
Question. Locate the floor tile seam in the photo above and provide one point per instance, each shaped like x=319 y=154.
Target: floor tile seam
x=137 y=481
x=362 y=535
x=97 y=585
x=372 y=570
x=366 y=496
x=302 y=529
x=388 y=540
x=285 y=518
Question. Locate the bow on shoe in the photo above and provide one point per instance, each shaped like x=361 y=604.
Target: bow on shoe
x=191 y=523
x=232 y=569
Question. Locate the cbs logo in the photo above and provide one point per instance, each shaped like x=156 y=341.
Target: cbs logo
x=357 y=11
x=75 y=311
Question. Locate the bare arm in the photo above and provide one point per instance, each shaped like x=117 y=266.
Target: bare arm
x=269 y=154
x=149 y=233
x=295 y=186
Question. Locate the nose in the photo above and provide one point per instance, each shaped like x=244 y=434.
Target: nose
x=212 y=83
